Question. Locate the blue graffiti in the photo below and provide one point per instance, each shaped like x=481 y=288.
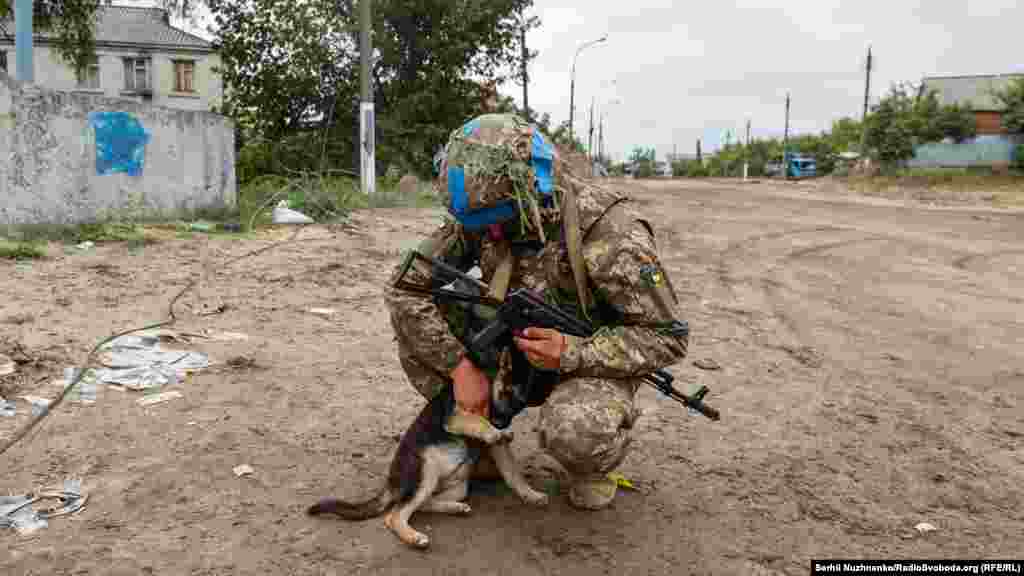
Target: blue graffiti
x=120 y=143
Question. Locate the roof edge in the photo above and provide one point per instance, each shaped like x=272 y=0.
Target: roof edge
x=975 y=76
x=43 y=41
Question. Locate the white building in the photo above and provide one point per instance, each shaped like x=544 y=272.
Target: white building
x=139 y=56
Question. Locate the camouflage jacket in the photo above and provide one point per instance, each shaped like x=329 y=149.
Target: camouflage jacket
x=627 y=280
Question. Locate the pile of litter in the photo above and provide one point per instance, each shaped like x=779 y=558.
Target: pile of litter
x=133 y=362
x=18 y=512
x=138 y=362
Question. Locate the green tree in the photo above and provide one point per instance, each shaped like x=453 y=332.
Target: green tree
x=1012 y=99
x=846 y=134
x=890 y=128
x=291 y=69
x=957 y=121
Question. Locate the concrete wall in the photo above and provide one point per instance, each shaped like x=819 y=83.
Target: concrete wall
x=54 y=73
x=70 y=157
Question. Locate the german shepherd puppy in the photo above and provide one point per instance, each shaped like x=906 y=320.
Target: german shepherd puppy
x=431 y=468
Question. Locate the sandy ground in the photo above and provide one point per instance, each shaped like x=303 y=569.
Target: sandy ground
x=872 y=378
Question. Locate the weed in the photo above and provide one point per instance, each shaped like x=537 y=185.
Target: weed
x=10 y=250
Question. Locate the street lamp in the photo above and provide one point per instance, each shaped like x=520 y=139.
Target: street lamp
x=572 y=82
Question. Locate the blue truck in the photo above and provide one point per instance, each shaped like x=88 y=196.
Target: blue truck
x=800 y=165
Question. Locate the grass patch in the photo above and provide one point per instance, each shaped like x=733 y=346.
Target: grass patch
x=18 y=250
x=964 y=184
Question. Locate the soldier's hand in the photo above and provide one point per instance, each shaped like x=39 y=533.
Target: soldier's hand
x=472 y=388
x=543 y=347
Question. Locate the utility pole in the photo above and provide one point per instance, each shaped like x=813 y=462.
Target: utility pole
x=746 y=155
x=867 y=93
x=785 y=142
x=366 y=119
x=700 y=159
x=526 y=77
x=590 y=138
x=867 y=85
x=24 y=68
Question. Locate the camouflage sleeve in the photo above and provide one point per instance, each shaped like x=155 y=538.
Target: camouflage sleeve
x=420 y=325
x=623 y=264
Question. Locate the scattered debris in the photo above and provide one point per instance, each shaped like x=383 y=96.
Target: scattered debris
x=38 y=404
x=85 y=390
x=7 y=409
x=158 y=398
x=232 y=227
x=243 y=470
x=87 y=245
x=7 y=365
x=282 y=214
x=323 y=311
x=707 y=364
x=137 y=362
x=201 y=226
x=925 y=527
x=17 y=511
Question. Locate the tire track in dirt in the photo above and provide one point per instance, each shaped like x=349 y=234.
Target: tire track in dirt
x=964 y=262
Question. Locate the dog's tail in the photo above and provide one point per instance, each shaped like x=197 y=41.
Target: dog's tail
x=371 y=508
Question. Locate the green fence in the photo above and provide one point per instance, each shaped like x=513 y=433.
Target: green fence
x=981 y=151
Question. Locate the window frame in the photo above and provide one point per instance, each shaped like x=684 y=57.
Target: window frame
x=180 y=67
x=132 y=63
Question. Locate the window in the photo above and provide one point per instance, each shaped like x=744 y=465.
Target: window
x=89 y=77
x=136 y=74
x=184 y=73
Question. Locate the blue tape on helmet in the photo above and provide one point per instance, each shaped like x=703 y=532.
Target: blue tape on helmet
x=542 y=155
x=471 y=127
x=459 y=204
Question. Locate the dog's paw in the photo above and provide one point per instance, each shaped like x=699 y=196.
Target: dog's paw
x=419 y=540
x=463 y=509
x=534 y=498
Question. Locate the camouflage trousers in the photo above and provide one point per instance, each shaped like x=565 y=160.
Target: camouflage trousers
x=584 y=424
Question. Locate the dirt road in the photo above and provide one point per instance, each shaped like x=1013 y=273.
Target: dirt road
x=872 y=378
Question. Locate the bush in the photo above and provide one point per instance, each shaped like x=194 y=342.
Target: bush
x=1018 y=158
x=696 y=170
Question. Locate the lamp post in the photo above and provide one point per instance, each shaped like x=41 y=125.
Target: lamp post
x=572 y=82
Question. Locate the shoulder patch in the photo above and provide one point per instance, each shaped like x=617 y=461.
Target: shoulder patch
x=651 y=275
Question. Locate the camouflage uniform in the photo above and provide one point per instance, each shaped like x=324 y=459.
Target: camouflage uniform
x=585 y=422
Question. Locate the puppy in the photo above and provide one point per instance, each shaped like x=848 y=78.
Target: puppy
x=431 y=468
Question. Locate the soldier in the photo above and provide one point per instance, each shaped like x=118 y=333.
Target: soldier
x=526 y=221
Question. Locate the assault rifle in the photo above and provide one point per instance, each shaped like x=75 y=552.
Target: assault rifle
x=521 y=309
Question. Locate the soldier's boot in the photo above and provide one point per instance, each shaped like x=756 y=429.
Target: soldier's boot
x=592 y=492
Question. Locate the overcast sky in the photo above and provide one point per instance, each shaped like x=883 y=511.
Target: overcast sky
x=688 y=70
